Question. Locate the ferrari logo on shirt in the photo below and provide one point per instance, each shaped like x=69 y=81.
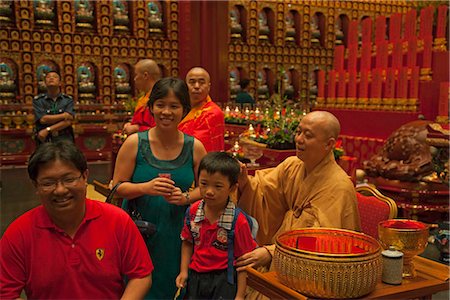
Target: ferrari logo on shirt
x=100 y=253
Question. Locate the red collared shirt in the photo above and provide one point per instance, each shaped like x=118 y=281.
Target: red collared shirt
x=39 y=257
x=210 y=240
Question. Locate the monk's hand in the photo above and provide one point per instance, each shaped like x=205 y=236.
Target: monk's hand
x=129 y=128
x=255 y=259
x=160 y=186
x=176 y=197
x=243 y=176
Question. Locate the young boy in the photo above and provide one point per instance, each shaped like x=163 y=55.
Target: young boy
x=204 y=250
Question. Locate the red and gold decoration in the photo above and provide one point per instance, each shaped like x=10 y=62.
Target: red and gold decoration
x=328 y=263
x=94 y=45
x=407 y=236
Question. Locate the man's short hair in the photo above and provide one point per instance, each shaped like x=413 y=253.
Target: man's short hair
x=162 y=88
x=244 y=83
x=53 y=71
x=220 y=162
x=62 y=150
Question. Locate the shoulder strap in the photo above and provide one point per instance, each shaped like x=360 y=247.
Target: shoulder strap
x=112 y=192
x=187 y=218
x=230 y=237
x=230 y=242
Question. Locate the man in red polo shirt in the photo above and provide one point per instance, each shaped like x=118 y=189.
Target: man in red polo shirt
x=70 y=246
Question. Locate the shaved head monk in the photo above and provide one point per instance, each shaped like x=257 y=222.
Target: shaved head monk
x=306 y=190
x=147 y=72
x=206 y=120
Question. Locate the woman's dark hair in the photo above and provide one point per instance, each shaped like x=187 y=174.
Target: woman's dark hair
x=47 y=152
x=220 y=162
x=162 y=88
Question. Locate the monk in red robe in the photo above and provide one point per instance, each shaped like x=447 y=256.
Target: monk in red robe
x=147 y=73
x=205 y=121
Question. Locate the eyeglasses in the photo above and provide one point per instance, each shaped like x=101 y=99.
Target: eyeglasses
x=50 y=185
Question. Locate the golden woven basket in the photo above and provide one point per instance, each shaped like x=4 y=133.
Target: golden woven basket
x=327 y=262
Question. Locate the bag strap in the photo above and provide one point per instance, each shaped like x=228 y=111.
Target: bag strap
x=230 y=242
x=113 y=191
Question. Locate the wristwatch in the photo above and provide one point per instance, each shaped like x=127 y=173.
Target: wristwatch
x=48 y=129
x=187 y=196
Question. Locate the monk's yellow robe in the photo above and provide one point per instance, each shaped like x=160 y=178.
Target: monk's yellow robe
x=285 y=198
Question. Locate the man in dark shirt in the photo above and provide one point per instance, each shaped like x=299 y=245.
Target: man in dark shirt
x=243 y=96
x=53 y=112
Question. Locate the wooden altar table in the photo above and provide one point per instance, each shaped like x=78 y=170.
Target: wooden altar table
x=432 y=277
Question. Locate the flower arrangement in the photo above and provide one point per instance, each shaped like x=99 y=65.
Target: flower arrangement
x=338 y=150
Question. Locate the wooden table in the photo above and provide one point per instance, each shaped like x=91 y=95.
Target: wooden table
x=432 y=277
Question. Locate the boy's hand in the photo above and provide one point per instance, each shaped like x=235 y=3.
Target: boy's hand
x=181 y=280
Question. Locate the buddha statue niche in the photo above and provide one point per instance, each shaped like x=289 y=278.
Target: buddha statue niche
x=312 y=83
x=235 y=24
x=405 y=155
x=315 y=32
x=86 y=86
x=155 y=17
x=6 y=13
x=287 y=83
x=289 y=21
x=338 y=32
x=234 y=83
x=84 y=13
x=121 y=81
x=7 y=83
x=120 y=12
x=44 y=12
x=264 y=30
x=263 y=89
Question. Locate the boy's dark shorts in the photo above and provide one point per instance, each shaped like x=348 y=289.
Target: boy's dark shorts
x=210 y=285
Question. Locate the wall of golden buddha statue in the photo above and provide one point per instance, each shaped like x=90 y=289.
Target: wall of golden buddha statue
x=93 y=44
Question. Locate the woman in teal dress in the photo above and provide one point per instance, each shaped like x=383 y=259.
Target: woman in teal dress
x=145 y=160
